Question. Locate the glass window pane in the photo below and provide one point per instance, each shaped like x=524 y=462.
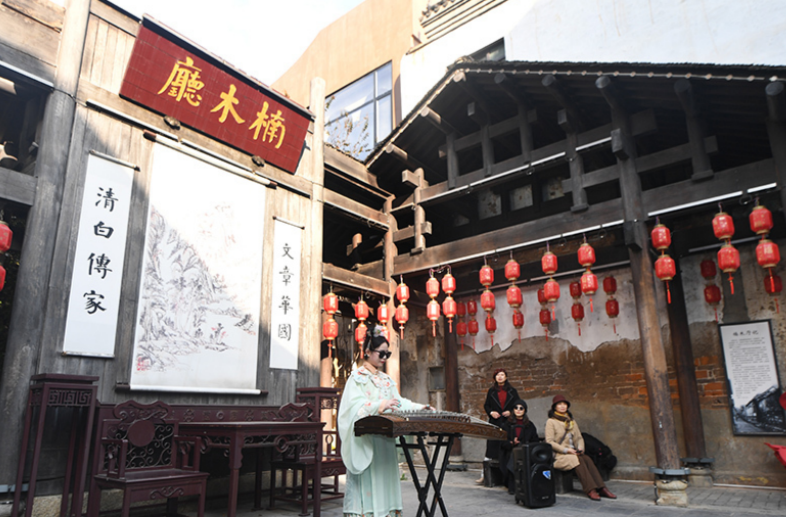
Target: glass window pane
x=384 y=79
x=384 y=118
x=352 y=134
x=350 y=98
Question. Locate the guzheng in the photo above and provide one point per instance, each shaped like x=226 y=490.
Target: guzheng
x=398 y=423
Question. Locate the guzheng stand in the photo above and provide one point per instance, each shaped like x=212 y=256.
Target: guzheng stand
x=443 y=441
x=50 y=390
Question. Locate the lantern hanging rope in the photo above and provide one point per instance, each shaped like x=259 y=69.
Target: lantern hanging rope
x=665 y=267
x=402 y=312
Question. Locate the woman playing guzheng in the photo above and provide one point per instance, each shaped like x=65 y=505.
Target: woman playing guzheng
x=373 y=483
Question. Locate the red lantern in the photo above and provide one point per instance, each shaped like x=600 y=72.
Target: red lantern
x=545 y=320
x=712 y=295
x=383 y=314
x=487 y=301
x=661 y=237
x=402 y=291
x=461 y=309
x=402 y=317
x=360 y=334
x=491 y=327
x=448 y=283
x=330 y=331
x=575 y=290
x=6 y=236
x=774 y=286
x=761 y=220
x=666 y=269
x=473 y=329
x=486 y=275
x=708 y=269
x=432 y=312
x=586 y=255
x=449 y=309
x=589 y=285
x=432 y=287
x=549 y=263
x=361 y=310
x=472 y=307
x=729 y=261
x=514 y=296
x=610 y=285
x=551 y=292
x=330 y=303
x=518 y=321
x=577 y=313
x=541 y=297
x=723 y=226
x=461 y=330
x=613 y=310
x=512 y=270
x=767 y=255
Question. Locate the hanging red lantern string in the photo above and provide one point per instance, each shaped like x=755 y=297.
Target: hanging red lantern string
x=774 y=288
x=665 y=267
x=518 y=321
x=712 y=293
x=330 y=327
x=545 y=320
x=402 y=313
x=472 y=325
x=548 y=263
x=729 y=262
x=432 y=309
x=383 y=316
x=760 y=220
x=612 y=305
x=491 y=327
x=513 y=294
x=487 y=299
x=461 y=325
x=768 y=255
x=589 y=282
x=361 y=313
x=577 y=313
x=449 y=307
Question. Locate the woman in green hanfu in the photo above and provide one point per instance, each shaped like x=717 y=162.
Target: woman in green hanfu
x=373 y=486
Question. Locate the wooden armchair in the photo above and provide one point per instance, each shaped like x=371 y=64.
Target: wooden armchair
x=301 y=463
x=139 y=452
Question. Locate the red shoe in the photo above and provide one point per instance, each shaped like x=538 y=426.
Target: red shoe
x=605 y=492
x=593 y=495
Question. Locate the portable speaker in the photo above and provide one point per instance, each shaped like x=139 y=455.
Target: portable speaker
x=534 y=480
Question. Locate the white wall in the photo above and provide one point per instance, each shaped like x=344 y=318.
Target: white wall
x=647 y=31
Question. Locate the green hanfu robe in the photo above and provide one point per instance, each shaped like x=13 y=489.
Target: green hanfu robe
x=373 y=486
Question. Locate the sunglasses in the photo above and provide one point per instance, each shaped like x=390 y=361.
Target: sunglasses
x=383 y=355
x=519 y=407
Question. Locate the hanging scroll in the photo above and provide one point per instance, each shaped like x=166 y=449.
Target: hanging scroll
x=197 y=324
x=285 y=312
x=94 y=301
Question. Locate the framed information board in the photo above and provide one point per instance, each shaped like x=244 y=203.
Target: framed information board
x=752 y=375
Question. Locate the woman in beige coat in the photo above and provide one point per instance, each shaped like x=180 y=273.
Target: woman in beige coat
x=564 y=436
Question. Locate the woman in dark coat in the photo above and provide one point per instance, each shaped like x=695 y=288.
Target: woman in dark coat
x=520 y=431
x=499 y=406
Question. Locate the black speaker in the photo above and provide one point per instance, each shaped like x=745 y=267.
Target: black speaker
x=533 y=472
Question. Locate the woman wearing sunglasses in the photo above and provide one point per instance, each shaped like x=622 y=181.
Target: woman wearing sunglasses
x=373 y=483
x=563 y=433
x=520 y=431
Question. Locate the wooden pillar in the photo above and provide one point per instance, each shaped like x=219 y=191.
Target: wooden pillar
x=452 y=395
x=700 y=160
x=389 y=252
x=23 y=346
x=692 y=425
x=312 y=294
x=420 y=214
x=635 y=230
x=575 y=161
x=776 y=129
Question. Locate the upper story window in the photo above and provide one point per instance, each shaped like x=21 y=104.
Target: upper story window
x=361 y=115
x=493 y=52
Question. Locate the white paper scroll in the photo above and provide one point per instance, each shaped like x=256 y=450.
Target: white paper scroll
x=285 y=312
x=91 y=323
x=197 y=324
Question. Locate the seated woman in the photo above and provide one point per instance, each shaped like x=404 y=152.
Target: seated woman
x=520 y=431
x=564 y=436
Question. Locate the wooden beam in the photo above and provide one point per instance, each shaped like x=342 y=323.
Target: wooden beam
x=353 y=280
x=575 y=161
x=409 y=232
x=350 y=167
x=473 y=91
x=405 y=158
x=437 y=121
x=700 y=160
x=17 y=187
x=557 y=91
x=355 y=210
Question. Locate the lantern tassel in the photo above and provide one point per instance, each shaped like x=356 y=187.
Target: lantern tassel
x=716 y=314
x=772 y=281
x=519 y=332
x=615 y=327
x=401 y=330
x=450 y=325
x=777 y=306
x=547 y=334
x=330 y=349
x=434 y=328
x=492 y=340
x=668 y=293
x=731 y=283
x=553 y=313
x=591 y=304
x=579 y=325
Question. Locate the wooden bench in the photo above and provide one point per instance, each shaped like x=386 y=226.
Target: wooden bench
x=139 y=452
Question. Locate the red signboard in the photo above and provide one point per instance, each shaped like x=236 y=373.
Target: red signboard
x=177 y=82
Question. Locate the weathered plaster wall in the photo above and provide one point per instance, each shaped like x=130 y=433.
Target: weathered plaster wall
x=602 y=372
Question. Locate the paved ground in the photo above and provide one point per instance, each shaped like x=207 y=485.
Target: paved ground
x=464 y=498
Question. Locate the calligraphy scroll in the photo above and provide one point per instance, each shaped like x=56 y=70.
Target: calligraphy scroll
x=197 y=326
x=753 y=378
x=285 y=312
x=96 y=280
